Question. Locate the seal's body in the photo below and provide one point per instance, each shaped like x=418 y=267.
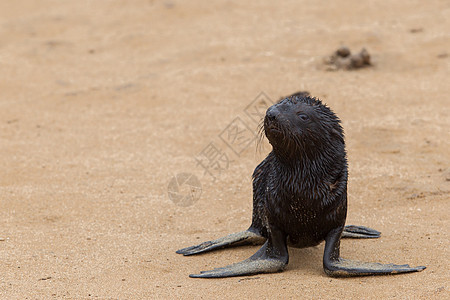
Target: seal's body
x=299 y=196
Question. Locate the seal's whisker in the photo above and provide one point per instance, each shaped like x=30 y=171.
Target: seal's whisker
x=260 y=136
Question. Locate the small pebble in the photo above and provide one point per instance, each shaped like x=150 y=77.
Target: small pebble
x=45 y=278
x=356 y=61
x=365 y=56
x=343 y=51
x=416 y=30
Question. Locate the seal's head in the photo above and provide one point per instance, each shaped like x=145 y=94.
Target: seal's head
x=300 y=126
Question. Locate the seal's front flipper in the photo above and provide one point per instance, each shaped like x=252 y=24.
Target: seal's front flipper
x=244 y=268
x=338 y=267
x=360 y=232
x=272 y=257
x=235 y=239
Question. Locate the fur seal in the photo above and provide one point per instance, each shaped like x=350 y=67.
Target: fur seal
x=299 y=196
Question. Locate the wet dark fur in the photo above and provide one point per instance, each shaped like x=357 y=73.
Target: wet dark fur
x=301 y=186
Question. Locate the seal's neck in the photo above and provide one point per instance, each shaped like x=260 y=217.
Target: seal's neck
x=310 y=165
x=298 y=157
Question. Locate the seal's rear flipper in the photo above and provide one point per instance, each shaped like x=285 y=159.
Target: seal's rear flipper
x=360 y=232
x=338 y=267
x=272 y=257
x=235 y=239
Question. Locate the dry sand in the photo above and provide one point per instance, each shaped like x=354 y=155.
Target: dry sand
x=103 y=102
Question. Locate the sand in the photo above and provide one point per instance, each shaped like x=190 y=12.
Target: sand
x=103 y=103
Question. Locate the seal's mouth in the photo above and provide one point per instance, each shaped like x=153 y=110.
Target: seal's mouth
x=270 y=126
x=272 y=130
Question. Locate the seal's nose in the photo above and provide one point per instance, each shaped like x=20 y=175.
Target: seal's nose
x=271 y=113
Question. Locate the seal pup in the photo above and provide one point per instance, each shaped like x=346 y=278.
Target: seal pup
x=299 y=196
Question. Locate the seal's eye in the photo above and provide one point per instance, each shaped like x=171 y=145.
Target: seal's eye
x=303 y=116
